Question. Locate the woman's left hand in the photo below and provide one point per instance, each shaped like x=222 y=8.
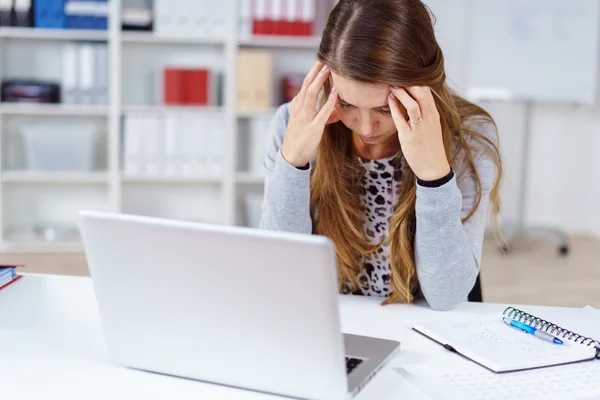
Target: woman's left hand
x=420 y=136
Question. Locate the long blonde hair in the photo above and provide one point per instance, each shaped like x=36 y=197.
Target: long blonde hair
x=392 y=42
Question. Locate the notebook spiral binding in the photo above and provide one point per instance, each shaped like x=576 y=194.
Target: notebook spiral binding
x=551 y=328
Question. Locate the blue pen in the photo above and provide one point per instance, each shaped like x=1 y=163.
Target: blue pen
x=531 y=330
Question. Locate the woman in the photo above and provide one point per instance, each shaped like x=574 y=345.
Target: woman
x=394 y=168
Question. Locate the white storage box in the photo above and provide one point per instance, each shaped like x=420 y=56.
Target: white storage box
x=60 y=147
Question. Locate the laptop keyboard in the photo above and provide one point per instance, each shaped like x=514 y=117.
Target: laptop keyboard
x=351 y=364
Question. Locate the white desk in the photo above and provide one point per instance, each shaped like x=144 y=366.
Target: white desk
x=52 y=345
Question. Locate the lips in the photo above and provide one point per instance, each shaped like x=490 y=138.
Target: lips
x=369 y=138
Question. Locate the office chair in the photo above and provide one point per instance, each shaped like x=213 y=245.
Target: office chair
x=476 y=293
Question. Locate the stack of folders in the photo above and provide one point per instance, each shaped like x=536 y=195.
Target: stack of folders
x=281 y=17
x=8 y=275
x=85 y=73
x=197 y=19
x=173 y=145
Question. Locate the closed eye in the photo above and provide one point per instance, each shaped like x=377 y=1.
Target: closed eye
x=345 y=105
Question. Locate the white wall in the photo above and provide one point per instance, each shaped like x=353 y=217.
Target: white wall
x=564 y=165
x=564 y=170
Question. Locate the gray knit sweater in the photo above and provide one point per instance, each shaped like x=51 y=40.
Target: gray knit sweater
x=447 y=252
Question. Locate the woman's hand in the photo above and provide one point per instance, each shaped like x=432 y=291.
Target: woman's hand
x=420 y=136
x=306 y=126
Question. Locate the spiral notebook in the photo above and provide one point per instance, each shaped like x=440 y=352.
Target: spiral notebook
x=500 y=348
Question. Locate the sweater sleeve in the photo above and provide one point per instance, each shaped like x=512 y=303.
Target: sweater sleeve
x=286 y=204
x=447 y=251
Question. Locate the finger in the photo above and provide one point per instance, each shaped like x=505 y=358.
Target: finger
x=310 y=77
x=399 y=121
x=324 y=115
x=312 y=94
x=334 y=117
x=411 y=105
x=424 y=97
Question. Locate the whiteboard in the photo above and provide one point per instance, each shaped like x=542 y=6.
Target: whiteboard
x=538 y=50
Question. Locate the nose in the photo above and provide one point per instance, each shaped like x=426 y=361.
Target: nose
x=367 y=125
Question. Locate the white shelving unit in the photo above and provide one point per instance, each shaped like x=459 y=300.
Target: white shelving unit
x=128 y=193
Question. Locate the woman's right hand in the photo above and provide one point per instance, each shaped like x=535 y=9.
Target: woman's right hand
x=306 y=126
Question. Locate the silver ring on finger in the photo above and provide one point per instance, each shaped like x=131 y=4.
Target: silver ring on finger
x=416 y=121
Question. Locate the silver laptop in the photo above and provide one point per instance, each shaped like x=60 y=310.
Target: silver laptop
x=235 y=306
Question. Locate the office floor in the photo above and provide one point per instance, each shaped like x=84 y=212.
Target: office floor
x=533 y=273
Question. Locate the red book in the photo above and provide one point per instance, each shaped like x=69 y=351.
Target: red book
x=196 y=86
x=308 y=17
x=259 y=15
x=269 y=24
x=174 y=81
x=277 y=7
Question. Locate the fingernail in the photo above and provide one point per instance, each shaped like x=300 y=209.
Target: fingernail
x=325 y=68
x=392 y=96
x=395 y=87
x=333 y=89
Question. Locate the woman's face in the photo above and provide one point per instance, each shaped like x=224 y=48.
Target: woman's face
x=363 y=108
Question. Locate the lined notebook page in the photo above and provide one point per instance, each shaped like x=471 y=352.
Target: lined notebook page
x=575 y=381
x=501 y=348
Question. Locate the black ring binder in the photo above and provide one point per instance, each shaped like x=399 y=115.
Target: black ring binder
x=551 y=328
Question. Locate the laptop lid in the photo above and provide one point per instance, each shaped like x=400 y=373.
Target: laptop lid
x=236 y=306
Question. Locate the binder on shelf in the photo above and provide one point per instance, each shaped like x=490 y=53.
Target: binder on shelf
x=173 y=86
x=196 y=86
x=70 y=74
x=6 y=12
x=201 y=152
x=23 y=13
x=290 y=16
x=308 y=17
x=277 y=17
x=49 y=14
x=259 y=16
x=101 y=78
x=255 y=79
x=188 y=141
x=90 y=14
x=245 y=19
x=86 y=73
x=137 y=19
x=187 y=86
x=152 y=135
x=172 y=164
x=134 y=151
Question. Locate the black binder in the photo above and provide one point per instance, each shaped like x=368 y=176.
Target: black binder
x=6 y=12
x=23 y=13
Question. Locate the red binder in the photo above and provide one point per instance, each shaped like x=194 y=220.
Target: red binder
x=174 y=81
x=196 y=86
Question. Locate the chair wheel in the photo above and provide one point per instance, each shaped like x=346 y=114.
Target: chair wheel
x=563 y=250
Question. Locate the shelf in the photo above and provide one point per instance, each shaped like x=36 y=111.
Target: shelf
x=273 y=41
x=53 y=34
x=250 y=113
x=52 y=110
x=54 y=177
x=172 y=179
x=41 y=247
x=148 y=37
x=174 y=109
x=249 y=178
